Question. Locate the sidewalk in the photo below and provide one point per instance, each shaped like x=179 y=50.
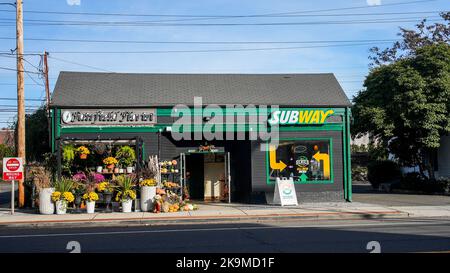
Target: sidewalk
x=210 y=213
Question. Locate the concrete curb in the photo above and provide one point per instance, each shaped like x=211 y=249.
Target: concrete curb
x=154 y=221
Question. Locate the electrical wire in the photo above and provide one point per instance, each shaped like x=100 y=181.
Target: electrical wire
x=219 y=16
x=199 y=42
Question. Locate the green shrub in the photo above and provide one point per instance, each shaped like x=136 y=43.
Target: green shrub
x=384 y=171
x=415 y=182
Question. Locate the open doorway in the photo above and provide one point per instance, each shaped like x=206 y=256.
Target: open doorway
x=206 y=176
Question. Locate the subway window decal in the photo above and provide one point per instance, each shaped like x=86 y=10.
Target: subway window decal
x=306 y=161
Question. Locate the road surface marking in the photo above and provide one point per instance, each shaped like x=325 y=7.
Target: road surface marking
x=215 y=229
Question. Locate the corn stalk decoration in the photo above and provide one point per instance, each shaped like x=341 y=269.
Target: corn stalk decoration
x=154 y=167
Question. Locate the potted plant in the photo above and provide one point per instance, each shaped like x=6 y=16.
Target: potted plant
x=90 y=197
x=127 y=157
x=62 y=195
x=42 y=179
x=107 y=189
x=83 y=151
x=78 y=190
x=126 y=193
x=68 y=155
x=148 y=193
x=110 y=162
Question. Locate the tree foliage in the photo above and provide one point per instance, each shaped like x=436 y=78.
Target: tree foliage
x=36 y=135
x=412 y=40
x=405 y=105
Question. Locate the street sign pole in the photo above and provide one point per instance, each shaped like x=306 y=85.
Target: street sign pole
x=12 y=196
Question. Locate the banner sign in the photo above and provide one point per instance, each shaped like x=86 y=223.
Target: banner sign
x=295 y=117
x=284 y=193
x=12 y=168
x=89 y=117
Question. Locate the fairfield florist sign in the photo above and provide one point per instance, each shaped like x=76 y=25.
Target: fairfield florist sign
x=301 y=116
x=108 y=117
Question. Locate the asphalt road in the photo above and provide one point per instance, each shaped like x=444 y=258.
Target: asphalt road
x=393 y=235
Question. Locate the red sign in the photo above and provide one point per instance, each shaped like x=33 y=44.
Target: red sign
x=12 y=168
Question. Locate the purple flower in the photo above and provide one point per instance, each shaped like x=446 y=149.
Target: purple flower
x=97 y=177
x=80 y=177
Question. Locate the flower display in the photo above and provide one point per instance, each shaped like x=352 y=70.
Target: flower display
x=126 y=195
x=148 y=182
x=68 y=196
x=65 y=196
x=105 y=186
x=91 y=196
x=83 y=150
x=56 y=196
x=79 y=177
x=96 y=177
x=110 y=160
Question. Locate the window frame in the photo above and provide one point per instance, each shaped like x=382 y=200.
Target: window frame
x=270 y=181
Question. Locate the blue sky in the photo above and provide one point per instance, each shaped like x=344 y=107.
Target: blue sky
x=349 y=63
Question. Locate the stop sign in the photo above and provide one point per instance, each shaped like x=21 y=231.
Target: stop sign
x=12 y=168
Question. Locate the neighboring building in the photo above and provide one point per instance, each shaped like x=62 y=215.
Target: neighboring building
x=443 y=157
x=137 y=110
x=7 y=137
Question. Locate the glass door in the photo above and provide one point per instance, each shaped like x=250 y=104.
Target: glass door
x=228 y=175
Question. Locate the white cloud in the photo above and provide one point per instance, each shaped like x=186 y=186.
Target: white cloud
x=73 y=2
x=373 y=2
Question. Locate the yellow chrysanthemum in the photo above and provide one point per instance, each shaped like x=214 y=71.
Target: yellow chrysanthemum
x=148 y=182
x=56 y=196
x=68 y=196
x=102 y=186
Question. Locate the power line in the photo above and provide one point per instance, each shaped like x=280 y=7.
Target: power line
x=15 y=99
x=218 y=16
x=147 y=24
x=209 y=50
x=200 y=42
x=13 y=69
x=80 y=64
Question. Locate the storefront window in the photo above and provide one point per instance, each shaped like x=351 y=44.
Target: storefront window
x=303 y=160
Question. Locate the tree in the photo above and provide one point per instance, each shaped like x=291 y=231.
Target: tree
x=36 y=135
x=405 y=105
x=412 y=40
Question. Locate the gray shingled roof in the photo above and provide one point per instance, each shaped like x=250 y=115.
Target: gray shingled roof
x=87 y=89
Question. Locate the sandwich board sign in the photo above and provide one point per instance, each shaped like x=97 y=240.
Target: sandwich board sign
x=284 y=193
x=12 y=170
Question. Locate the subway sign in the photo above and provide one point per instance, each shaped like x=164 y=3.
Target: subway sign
x=301 y=116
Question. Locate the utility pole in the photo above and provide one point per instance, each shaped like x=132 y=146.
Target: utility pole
x=47 y=93
x=20 y=96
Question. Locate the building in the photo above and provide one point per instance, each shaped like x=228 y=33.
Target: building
x=7 y=137
x=217 y=127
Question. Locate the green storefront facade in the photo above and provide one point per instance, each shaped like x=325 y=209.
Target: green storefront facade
x=315 y=154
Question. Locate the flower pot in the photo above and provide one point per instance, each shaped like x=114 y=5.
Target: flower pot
x=77 y=204
x=83 y=156
x=61 y=207
x=147 y=196
x=121 y=170
x=90 y=206
x=107 y=197
x=110 y=167
x=116 y=170
x=46 y=206
x=126 y=205
x=99 y=169
x=129 y=169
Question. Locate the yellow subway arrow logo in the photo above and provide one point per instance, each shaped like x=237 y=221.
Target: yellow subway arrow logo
x=273 y=160
x=326 y=163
